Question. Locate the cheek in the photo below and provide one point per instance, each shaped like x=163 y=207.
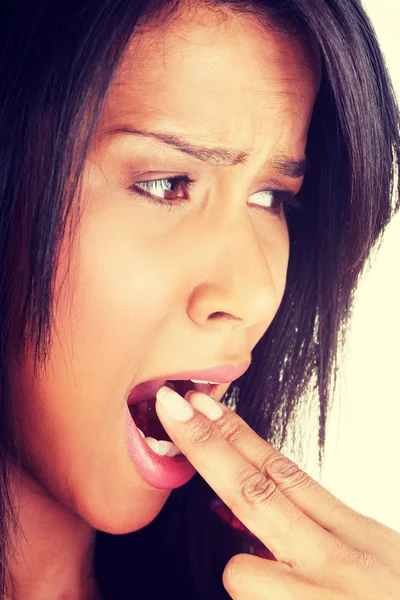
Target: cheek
x=72 y=420
x=276 y=246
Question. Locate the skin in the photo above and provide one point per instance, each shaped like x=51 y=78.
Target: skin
x=144 y=282
x=323 y=549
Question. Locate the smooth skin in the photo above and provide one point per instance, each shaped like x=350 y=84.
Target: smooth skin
x=324 y=549
x=153 y=290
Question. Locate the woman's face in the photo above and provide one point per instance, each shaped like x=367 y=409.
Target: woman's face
x=153 y=290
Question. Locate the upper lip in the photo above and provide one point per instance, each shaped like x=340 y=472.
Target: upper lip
x=219 y=374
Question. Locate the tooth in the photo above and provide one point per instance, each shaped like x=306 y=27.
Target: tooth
x=152 y=443
x=173 y=451
x=201 y=381
x=141 y=433
x=162 y=447
x=168 y=448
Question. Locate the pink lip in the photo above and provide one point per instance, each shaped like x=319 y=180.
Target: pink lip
x=221 y=374
x=161 y=472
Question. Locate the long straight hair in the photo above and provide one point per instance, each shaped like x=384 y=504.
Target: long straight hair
x=57 y=62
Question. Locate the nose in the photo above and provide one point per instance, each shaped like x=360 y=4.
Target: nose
x=245 y=284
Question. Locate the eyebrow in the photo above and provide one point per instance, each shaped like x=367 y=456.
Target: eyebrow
x=289 y=167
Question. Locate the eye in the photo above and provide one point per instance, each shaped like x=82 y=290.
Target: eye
x=172 y=191
x=169 y=191
x=277 y=202
x=273 y=199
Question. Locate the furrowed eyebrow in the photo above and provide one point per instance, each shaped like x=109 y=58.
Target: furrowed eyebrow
x=289 y=167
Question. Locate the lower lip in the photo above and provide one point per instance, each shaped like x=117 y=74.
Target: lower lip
x=161 y=472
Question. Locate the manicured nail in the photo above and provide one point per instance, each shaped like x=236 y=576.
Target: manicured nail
x=206 y=405
x=173 y=404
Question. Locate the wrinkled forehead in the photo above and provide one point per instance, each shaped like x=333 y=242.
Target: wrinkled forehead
x=215 y=72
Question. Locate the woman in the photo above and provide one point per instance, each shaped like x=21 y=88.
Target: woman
x=184 y=186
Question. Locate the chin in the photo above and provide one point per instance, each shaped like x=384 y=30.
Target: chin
x=126 y=517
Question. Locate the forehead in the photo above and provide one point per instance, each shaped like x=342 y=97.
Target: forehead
x=222 y=77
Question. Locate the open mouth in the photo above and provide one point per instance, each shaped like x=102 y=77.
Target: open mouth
x=142 y=402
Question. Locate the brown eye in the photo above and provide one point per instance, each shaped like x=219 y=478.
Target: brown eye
x=268 y=199
x=276 y=200
x=170 y=188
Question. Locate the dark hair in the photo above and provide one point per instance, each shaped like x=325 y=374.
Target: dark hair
x=57 y=61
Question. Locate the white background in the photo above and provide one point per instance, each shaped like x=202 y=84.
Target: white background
x=363 y=442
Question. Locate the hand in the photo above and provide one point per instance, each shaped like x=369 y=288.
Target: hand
x=324 y=550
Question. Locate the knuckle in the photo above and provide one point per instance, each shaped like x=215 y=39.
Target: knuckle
x=234 y=575
x=375 y=527
x=255 y=488
x=231 y=430
x=201 y=432
x=286 y=468
x=361 y=558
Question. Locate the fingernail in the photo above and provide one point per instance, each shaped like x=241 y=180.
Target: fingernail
x=206 y=405
x=173 y=404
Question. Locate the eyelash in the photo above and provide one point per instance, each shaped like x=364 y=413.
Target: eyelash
x=283 y=196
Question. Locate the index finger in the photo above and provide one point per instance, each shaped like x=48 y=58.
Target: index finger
x=251 y=495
